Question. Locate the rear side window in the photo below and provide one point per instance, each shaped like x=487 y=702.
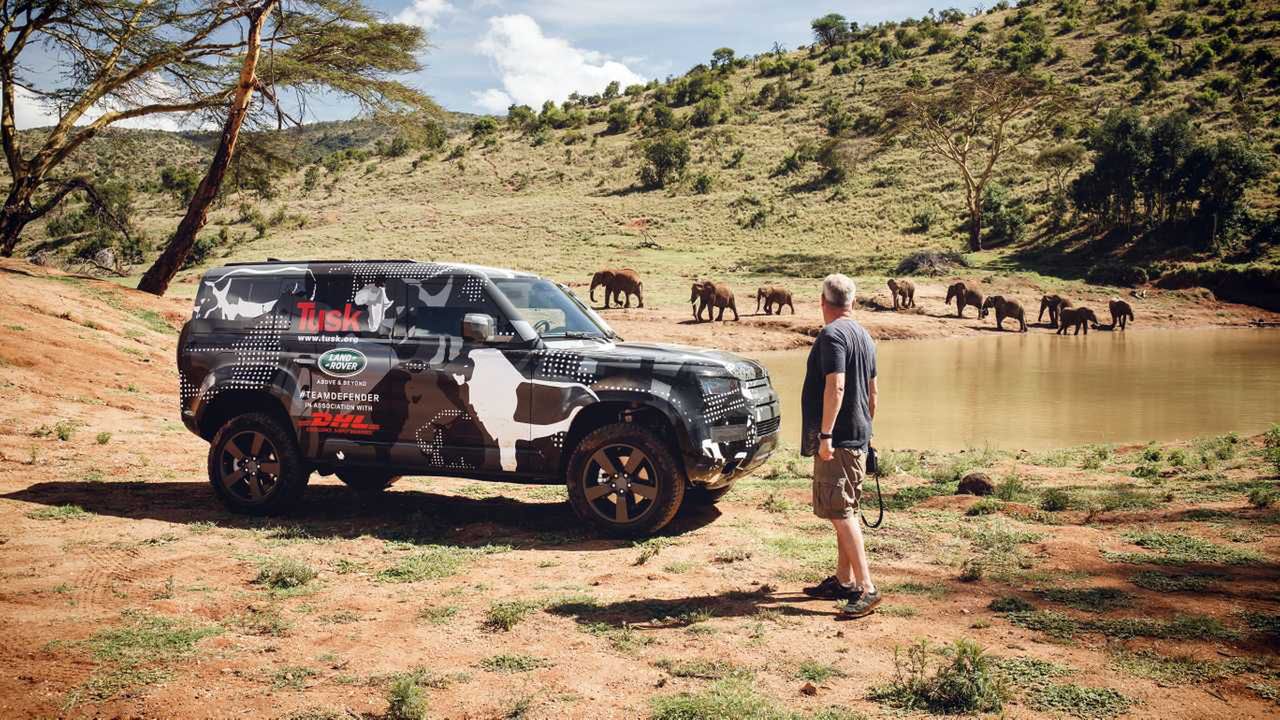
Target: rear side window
x=241 y=297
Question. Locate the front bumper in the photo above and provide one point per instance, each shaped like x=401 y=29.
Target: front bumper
x=741 y=443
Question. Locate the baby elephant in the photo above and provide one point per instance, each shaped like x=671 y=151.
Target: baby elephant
x=904 y=291
x=1075 y=317
x=1120 y=313
x=707 y=296
x=1054 y=304
x=1005 y=309
x=965 y=294
x=774 y=297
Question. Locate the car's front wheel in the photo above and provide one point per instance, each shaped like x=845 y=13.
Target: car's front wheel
x=623 y=479
x=255 y=466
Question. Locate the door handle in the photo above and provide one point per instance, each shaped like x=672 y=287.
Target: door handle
x=306 y=360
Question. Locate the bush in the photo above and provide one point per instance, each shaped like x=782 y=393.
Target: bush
x=666 y=157
x=1055 y=500
x=1116 y=272
x=706 y=113
x=619 y=118
x=483 y=127
x=180 y=181
x=1264 y=497
x=966 y=683
x=923 y=218
x=838 y=158
x=1271 y=447
x=1005 y=216
x=406 y=700
x=284 y=573
x=702 y=183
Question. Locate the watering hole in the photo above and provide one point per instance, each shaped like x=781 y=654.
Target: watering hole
x=1039 y=390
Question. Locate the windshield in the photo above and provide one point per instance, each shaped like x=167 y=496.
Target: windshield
x=551 y=310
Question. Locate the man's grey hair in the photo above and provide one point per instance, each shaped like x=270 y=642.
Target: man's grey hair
x=838 y=290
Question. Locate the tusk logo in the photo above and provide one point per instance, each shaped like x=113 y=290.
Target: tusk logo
x=342 y=362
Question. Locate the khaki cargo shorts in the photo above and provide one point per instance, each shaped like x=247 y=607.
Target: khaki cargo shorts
x=837 y=484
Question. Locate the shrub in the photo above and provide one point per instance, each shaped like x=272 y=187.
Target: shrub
x=1271 y=447
x=1264 y=497
x=706 y=113
x=923 y=218
x=966 y=683
x=666 y=157
x=1116 y=272
x=181 y=182
x=484 y=126
x=1005 y=216
x=838 y=158
x=284 y=573
x=985 y=506
x=1055 y=500
x=702 y=183
x=619 y=118
x=406 y=700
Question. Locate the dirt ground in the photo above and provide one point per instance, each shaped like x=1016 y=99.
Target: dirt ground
x=127 y=591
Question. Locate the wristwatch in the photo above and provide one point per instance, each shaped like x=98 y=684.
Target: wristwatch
x=825 y=436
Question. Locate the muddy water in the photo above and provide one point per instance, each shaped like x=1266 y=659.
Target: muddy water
x=1038 y=390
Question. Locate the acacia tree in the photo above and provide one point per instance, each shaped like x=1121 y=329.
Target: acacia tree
x=830 y=29
x=975 y=123
x=123 y=59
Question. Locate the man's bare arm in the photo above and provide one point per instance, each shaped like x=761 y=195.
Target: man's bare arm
x=832 y=398
x=873 y=393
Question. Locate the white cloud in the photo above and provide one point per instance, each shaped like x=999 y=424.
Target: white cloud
x=492 y=100
x=29 y=112
x=424 y=13
x=536 y=68
x=595 y=13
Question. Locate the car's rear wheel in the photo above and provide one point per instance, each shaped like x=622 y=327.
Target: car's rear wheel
x=624 y=480
x=255 y=466
x=367 y=481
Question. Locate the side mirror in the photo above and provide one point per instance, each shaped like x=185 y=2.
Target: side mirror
x=478 y=327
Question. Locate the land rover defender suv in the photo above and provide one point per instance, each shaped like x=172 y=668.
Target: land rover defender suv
x=374 y=370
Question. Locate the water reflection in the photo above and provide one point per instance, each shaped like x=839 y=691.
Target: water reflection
x=1038 y=390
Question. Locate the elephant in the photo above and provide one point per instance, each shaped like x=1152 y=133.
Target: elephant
x=903 y=290
x=1054 y=304
x=709 y=295
x=774 y=296
x=965 y=294
x=1006 y=309
x=1077 y=317
x=1121 y=313
x=617 y=285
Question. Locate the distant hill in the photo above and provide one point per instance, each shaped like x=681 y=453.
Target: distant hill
x=557 y=189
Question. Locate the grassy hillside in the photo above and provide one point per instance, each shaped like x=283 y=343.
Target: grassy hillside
x=559 y=193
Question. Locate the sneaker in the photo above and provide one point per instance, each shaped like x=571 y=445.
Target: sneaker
x=861 y=605
x=831 y=589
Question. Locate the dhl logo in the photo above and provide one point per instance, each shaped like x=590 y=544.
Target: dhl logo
x=339 y=423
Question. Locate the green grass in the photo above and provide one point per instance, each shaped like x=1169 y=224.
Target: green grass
x=434 y=562
x=438 y=614
x=650 y=548
x=735 y=699
x=283 y=573
x=1180 y=627
x=291 y=677
x=985 y=506
x=818 y=673
x=406 y=700
x=1161 y=582
x=512 y=663
x=141 y=651
x=959 y=679
x=1175 y=669
x=1171 y=548
x=507 y=614
x=933 y=591
x=1087 y=703
x=268 y=621
x=1029 y=672
x=58 y=512
x=700 y=668
x=1096 y=600
x=624 y=639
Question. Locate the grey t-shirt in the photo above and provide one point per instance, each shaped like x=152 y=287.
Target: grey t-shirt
x=842 y=346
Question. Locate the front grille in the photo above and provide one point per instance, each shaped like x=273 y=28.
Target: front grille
x=759 y=382
x=768 y=427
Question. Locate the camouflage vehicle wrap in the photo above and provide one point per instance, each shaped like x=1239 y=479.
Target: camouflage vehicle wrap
x=379 y=369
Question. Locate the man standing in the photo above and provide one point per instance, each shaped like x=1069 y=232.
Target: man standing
x=837 y=404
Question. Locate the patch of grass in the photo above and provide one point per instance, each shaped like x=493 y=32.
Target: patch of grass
x=735 y=699
x=257 y=620
x=291 y=677
x=140 y=652
x=1173 y=670
x=319 y=713
x=964 y=682
x=1012 y=489
x=406 y=700
x=507 y=614
x=776 y=504
x=282 y=573
x=914 y=494
x=1096 y=600
x=438 y=614
x=1054 y=624
x=1172 y=583
x=433 y=562
x=512 y=663
x=985 y=506
x=894 y=610
x=1055 y=500
x=1264 y=497
x=103 y=438
x=624 y=639
x=58 y=512
x=650 y=548
x=1266 y=624
x=1179 y=549
x=818 y=673
x=932 y=591
x=701 y=668
x=957 y=465
x=1088 y=703
x=679 y=567
x=1010 y=603
x=1126 y=497
x=732 y=555
x=1029 y=672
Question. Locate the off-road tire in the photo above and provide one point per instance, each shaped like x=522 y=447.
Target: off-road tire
x=658 y=470
x=367 y=481
x=279 y=450
x=702 y=496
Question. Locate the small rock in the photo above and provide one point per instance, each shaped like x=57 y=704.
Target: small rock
x=808 y=689
x=975 y=484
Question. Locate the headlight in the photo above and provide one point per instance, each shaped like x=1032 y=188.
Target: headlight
x=719 y=385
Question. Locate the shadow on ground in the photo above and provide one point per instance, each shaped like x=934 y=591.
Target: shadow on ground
x=333 y=511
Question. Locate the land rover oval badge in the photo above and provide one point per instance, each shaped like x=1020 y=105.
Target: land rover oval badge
x=342 y=362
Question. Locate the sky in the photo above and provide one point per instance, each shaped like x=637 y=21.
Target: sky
x=486 y=54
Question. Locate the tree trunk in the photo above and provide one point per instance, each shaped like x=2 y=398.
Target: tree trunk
x=975 y=223
x=157 y=278
x=15 y=215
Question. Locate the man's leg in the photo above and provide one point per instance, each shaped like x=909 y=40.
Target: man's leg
x=853 y=555
x=844 y=564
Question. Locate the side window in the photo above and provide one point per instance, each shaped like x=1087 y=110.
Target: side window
x=436 y=306
x=239 y=297
x=342 y=304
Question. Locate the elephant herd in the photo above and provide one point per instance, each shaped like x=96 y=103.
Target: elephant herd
x=1063 y=314
x=706 y=296
x=714 y=298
